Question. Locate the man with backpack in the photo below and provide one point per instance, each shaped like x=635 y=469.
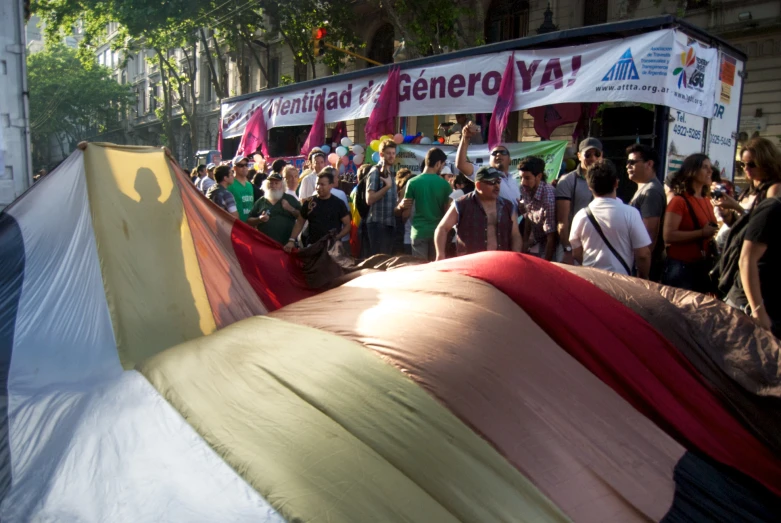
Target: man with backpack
x=607 y=233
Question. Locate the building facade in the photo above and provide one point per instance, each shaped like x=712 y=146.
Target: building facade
x=754 y=26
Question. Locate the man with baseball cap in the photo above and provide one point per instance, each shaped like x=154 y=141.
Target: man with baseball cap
x=208 y=180
x=241 y=188
x=484 y=220
x=499 y=160
x=573 y=194
x=275 y=213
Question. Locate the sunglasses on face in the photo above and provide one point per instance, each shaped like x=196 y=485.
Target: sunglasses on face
x=751 y=165
x=242 y=165
x=500 y=152
x=595 y=154
x=633 y=162
x=491 y=182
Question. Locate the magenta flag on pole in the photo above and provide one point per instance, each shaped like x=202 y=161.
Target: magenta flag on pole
x=503 y=106
x=382 y=121
x=255 y=135
x=219 y=137
x=548 y=118
x=316 y=136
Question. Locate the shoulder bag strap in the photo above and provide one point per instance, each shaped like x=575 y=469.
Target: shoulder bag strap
x=595 y=223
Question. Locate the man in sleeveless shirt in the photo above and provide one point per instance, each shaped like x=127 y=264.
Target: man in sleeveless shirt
x=484 y=220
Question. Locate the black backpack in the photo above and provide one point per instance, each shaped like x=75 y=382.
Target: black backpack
x=725 y=274
x=360 y=199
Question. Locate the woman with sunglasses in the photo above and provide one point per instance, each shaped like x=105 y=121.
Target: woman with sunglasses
x=689 y=226
x=761 y=161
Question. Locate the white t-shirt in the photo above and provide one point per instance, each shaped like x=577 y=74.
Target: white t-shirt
x=622 y=226
x=509 y=189
x=292 y=193
x=205 y=184
x=307 y=186
x=455 y=195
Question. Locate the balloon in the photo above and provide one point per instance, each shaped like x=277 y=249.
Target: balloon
x=358 y=160
x=425 y=140
x=398 y=139
x=376 y=157
x=333 y=158
x=345 y=159
x=346 y=142
x=357 y=149
x=375 y=145
x=341 y=151
x=326 y=149
x=341 y=168
x=441 y=140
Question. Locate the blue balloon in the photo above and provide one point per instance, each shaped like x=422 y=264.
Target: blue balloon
x=376 y=157
x=326 y=149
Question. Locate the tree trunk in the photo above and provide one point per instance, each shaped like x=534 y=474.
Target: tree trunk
x=192 y=118
x=215 y=79
x=166 y=119
x=223 y=69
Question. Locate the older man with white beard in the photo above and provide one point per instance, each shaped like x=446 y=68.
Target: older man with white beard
x=276 y=212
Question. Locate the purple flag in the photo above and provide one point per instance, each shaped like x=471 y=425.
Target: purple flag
x=504 y=104
x=219 y=137
x=316 y=136
x=382 y=121
x=255 y=135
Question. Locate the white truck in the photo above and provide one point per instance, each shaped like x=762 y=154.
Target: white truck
x=15 y=162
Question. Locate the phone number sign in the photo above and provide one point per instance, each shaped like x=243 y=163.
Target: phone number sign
x=686 y=136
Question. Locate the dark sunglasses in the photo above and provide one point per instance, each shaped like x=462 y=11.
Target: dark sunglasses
x=241 y=165
x=491 y=182
x=500 y=152
x=596 y=154
x=751 y=165
x=632 y=162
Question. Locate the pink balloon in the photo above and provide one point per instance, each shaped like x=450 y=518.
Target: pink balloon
x=345 y=159
x=398 y=138
x=333 y=158
x=358 y=160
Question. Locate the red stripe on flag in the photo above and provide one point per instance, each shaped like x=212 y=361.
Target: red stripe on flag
x=625 y=352
x=274 y=275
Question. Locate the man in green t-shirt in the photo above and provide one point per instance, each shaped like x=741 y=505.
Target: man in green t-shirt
x=241 y=188
x=275 y=213
x=431 y=196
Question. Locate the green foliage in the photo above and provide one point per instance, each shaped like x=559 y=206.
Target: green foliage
x=286 y=80
x=433 y=24
x=71 y=100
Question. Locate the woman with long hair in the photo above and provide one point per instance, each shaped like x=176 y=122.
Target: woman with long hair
x=761 y=161
x=689 y=226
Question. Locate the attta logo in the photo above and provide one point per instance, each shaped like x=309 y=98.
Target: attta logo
x=691 y=73
x=624 y=69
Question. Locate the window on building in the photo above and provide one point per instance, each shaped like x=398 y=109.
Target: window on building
x=124 y=77
x=273 y=72
x=595 y=12
x=507 y=20
x=381 y=45
x=299 y=72
x=100 y=59
x=152 y=97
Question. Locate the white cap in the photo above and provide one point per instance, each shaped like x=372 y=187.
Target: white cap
x=446 y=170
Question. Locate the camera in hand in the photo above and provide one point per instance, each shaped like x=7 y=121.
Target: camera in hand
x=718 y=191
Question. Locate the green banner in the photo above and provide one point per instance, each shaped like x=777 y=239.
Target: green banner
x=412 y=156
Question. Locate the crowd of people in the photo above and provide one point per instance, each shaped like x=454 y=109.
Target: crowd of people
x=693 y=231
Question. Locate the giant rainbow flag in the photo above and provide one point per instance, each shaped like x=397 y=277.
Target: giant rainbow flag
x=160 y=361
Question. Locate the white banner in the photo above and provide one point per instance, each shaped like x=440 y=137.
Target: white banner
x=724 y=124
x=662 y=67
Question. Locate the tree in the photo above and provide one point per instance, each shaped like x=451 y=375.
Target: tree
x=71 y=100
x=429 y=26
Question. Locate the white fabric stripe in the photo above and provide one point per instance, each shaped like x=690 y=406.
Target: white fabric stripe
x=120 y=453
x=89 y=442
x=63 y=328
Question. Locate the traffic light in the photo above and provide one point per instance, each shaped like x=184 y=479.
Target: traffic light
x=318 y=40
